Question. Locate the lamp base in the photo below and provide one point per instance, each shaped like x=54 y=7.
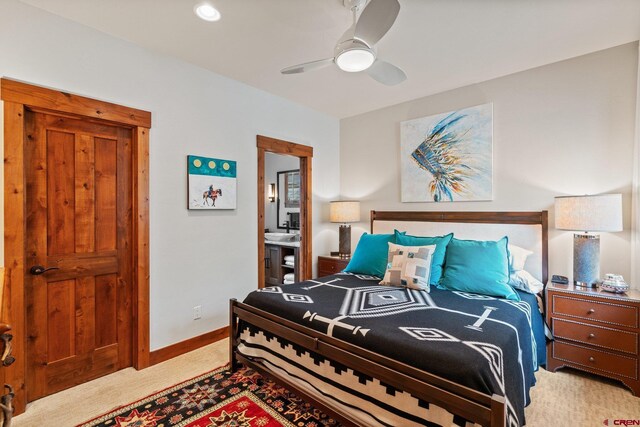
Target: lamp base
x=586 y=260
x=344 y=248
x=584 y=284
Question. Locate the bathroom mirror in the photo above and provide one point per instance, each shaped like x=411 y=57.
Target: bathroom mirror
x=288 y=199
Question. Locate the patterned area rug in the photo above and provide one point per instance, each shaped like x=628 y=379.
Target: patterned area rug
x=218 y=398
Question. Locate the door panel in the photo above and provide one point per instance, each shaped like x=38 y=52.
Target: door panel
x=273 y=272
x=91 y=365
x=106 y=328
x=85 y=311
x=60 y=192
x=105 y=194
x=79 y=220
x=85 y=195
x=61 y=322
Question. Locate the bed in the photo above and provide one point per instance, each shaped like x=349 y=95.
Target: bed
x=350 y=346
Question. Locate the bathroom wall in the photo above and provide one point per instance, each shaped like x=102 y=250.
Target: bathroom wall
x=274 y=163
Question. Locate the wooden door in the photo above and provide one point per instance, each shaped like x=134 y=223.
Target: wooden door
x=78 y=220
x=272 y=271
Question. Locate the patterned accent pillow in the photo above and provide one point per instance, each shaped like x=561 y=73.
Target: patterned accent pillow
x=409 y=266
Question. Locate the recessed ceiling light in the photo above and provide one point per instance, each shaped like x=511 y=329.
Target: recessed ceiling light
x=207 y=12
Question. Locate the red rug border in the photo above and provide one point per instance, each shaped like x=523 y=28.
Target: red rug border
x=284 y=422
x=222 y=367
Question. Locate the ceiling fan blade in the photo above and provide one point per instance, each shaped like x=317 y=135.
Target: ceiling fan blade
x=376 y=19
x=385 y=73
x=307 y=66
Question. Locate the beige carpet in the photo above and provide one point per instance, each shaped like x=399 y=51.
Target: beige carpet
x=572 y=398
x=566 y=398
x=73 y=406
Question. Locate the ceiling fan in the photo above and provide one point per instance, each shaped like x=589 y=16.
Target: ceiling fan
x=355 y=51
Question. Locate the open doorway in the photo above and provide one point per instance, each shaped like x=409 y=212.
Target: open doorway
x=284 y=212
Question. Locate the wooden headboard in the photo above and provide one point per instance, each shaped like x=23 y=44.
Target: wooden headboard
x=526 y=229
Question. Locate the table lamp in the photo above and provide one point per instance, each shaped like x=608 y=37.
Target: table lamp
x=588 y=213
x=344 y=212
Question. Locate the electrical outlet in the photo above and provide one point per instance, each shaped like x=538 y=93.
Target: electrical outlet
x=197 y=312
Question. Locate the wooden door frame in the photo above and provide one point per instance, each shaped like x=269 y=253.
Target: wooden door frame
x=18 y=98
x=305 y=153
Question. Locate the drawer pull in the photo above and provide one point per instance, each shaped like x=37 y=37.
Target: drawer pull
x=592 y=335
x=591 y=311
x=592 y=359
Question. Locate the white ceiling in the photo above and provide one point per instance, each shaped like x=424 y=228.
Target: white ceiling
x=441 y=44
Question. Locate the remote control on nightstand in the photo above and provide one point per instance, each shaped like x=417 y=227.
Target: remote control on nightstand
x=561 y=280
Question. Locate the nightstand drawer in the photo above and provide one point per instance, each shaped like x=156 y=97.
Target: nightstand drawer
x=596 y=360
x=612 y=313
x=596 y=335
x=327 y=267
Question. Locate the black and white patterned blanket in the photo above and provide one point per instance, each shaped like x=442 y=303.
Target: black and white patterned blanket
x=478 y=341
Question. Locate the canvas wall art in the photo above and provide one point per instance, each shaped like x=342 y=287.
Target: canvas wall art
x=448 y=157
x=212 y=183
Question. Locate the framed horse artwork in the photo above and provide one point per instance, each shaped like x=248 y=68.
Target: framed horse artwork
x=211 y=183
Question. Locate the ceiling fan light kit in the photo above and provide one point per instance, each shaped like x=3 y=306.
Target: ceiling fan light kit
x=354 y=58
x=355 y=51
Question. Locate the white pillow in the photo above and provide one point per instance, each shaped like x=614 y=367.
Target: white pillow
x=517 y=257
x=524 y=281
x=409 y=266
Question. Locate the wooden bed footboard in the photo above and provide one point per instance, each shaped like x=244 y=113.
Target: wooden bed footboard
x=480 y=408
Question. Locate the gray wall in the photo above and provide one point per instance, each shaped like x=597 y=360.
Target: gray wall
x=564 y=128
x=197 y=257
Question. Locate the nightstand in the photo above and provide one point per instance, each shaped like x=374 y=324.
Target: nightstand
x=328 y=265
x=595 y=331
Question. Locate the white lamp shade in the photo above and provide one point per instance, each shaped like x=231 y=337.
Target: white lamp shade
x=343 y=211
x=589 y=213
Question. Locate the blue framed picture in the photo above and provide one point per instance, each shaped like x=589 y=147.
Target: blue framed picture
x=212 y=183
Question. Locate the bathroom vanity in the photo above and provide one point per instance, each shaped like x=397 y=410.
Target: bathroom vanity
x=274 y=261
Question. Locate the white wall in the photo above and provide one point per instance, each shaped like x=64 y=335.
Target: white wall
x=197 y=258
x=274 y=163
x=565 y=128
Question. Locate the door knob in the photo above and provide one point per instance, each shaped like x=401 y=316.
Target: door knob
x=37 y=270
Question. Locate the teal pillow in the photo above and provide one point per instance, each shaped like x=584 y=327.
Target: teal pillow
x=479 y=267
x=370 y=256
x=437 y=260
